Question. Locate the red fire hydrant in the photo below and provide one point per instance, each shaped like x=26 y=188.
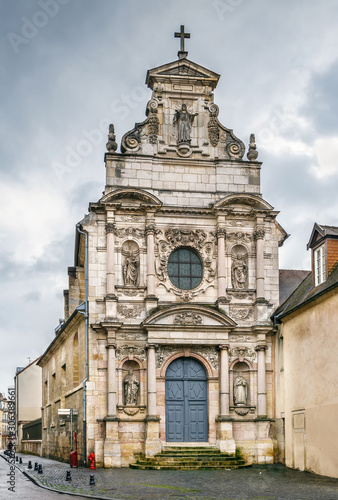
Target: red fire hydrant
x=91 y=459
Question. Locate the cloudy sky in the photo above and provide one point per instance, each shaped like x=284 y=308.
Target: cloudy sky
x=70 y=67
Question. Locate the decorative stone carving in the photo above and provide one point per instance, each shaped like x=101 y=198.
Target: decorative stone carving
x=241 y=338
x=131 y=411
x=209 y=353
x=129 y=231
x=153 y=123
x=183 y=118
x=124 y=351
x=111 y=144
x=235 y=149
x=130 y=336
x=240 y=313
x=198 y=239
x=213 y=131
x=241 y=353
x=110 y=227
x=188 y=318
x=130 y=312
x=239 y=271
x=162 y=353
x=132 y=218
x=186 y=237
x=131 y=264
x=131 y=386
x=259 y=234
x=252 y=153
x=241 y=410
x=240 y=236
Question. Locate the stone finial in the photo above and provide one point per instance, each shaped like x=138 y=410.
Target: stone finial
x=252 y=153
x=111 y=144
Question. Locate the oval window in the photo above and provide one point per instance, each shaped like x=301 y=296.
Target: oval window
x=185 y=268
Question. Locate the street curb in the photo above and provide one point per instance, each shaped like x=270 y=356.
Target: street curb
x=37 y=483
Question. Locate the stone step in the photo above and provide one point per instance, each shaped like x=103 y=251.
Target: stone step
x=191 y=463
x=185 y=467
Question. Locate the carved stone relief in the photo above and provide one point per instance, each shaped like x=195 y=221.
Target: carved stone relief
x=198 y=239
x=184 y=119
x=124 y=351
x=242 y=353
x=130 y=312
x=162 y=353
x=240 y=237
x=123 y=232
x=241 y=313
x=209 y=353
x=241 y=338
x=188 y=318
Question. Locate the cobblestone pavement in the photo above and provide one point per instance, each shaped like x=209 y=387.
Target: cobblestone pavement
x=270 y=482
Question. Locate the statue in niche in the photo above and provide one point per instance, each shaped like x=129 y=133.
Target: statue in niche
x=184 y=121
x=240 y=390
x=131 y=386
x=131 y=263
x=239 y=271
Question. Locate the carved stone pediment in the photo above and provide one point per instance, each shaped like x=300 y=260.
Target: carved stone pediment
x=249 y=201
x=189 y=315
x=130 y=197
x=183 y=69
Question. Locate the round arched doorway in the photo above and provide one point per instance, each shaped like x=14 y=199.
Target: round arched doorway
x=186 y=406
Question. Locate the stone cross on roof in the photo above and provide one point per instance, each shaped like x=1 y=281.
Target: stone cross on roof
x=182 y=54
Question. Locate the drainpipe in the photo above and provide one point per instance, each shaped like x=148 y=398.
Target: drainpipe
x=86 y=315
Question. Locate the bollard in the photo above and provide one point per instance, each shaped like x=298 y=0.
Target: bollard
x=20 y=460
x=30 y=464
x=91 y=480
x=36 y=466
x=68 y=476
x=40 y=469
x=16 y=458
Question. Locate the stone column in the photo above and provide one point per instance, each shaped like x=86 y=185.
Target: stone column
x=153 y=443
x=151 y=377
x=226 y=441
x=261 y=382
x=111 y=299
x=224 y=381
x=112 y=446
x=111 y=379
x=151 y=300
x=260 y=292
x=221 y=276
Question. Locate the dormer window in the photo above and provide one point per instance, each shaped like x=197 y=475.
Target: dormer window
x=319 y=264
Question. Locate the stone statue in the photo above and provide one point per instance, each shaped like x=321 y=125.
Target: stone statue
x=240 y=390
x=239 y=271
x=111 y=144
x=130 y=270
x=184 y=121
x=131 y=386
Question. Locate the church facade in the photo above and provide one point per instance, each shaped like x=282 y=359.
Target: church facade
x=167 y=336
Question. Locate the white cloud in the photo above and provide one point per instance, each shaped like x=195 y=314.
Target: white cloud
x=326 y=152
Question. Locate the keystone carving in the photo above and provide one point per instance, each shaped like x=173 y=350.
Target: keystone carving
x=129 y=312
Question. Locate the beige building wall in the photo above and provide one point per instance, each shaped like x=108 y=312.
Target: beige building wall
x=29 y=393
x=311 y=397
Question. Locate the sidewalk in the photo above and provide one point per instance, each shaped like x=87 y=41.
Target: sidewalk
x=274 y=482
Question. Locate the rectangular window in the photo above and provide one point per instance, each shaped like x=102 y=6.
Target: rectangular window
x=319 y=265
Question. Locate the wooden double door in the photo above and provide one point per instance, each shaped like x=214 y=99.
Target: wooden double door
x=186 y=401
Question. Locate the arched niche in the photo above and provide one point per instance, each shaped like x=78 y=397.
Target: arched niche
x=130 y=263
x=131 y=383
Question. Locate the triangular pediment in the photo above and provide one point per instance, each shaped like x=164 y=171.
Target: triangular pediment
x=181 y=69
x=189 y=316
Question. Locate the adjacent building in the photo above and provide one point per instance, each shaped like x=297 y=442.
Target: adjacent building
x=28 y=401
x=3 y=422
x=306 y=355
